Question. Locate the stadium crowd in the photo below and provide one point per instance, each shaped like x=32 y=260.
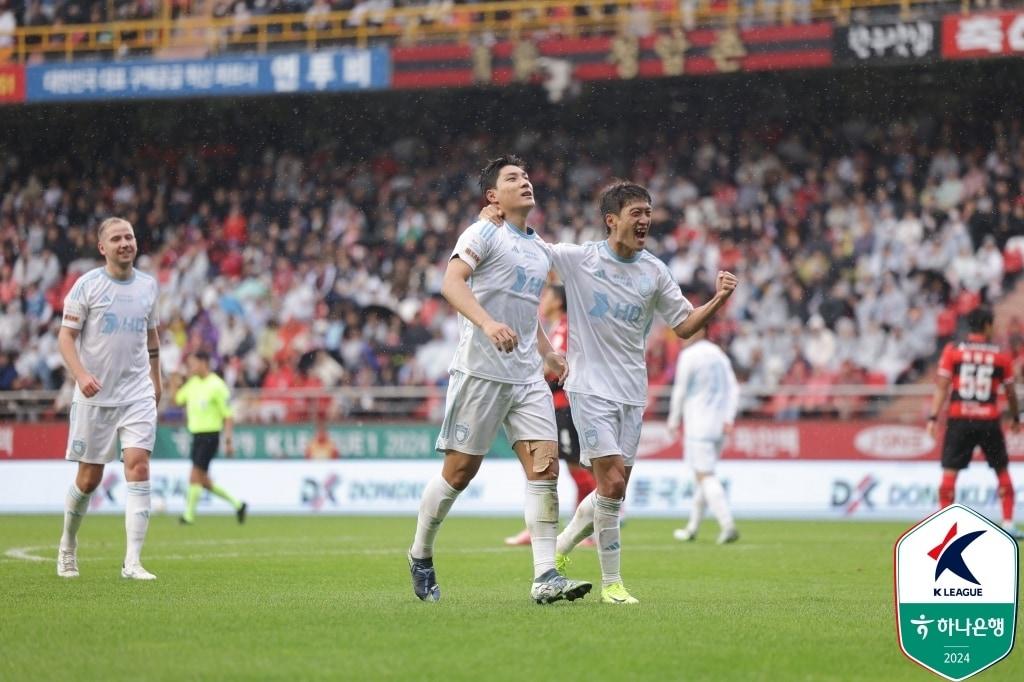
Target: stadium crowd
x=857 y=252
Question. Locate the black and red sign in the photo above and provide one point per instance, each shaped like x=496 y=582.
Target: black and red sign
x=674 y=53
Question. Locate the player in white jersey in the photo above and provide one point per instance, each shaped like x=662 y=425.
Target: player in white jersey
x=614 y=288
x=494 y=280
x=110 y=345
x=706 y=396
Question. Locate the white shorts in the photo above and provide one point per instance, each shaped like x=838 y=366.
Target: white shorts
x=474 y=409
x=98 y=434
x=702 y=455
x=606 y=427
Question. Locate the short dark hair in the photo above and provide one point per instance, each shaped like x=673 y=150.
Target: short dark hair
x=979 y=318
x=621 y=193
x=559 y=291
x=489 y=174
x=202 y=356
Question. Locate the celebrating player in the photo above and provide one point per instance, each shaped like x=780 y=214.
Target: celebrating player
x=110 y=345
x=553 y=311
x=975 y=369
x=613 y=289
x=494 y=280
x=706 y=396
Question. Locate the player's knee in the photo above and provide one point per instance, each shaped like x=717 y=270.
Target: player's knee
x=137 y=471
x=613 y=486
x=545 y=460
x=88 y=483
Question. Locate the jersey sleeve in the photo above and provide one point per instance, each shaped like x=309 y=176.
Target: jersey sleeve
x=565 y=258
x=181 y=395
x=224 y=401
x=946 y=362
x=1005 y=360
x=76 y=306
x=671 y=305
x=475 y=244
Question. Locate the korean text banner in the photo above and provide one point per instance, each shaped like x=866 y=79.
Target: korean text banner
x=323 y=71
x=998 y=34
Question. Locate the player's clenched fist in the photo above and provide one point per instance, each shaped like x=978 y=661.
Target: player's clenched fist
x=726 y=283
x=89 y=384
x=501 y=335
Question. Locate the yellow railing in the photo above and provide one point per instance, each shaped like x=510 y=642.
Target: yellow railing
x=201 y=36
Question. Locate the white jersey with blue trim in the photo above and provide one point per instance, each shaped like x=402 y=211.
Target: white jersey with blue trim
x=510 y=268
x=612 y=302
x=114 y=318
x=706 y=394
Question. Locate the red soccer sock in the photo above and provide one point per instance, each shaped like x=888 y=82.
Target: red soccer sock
x=947 y=489
x=585 y=482
x=1006 y=494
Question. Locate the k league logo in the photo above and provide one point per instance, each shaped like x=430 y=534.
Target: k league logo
x=956 y=592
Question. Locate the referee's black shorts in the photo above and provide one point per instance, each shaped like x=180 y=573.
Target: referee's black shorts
x=568 y=439
x=963 y=435
x=204 y=449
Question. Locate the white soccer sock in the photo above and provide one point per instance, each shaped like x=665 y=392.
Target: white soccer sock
x=542 y=522
x=715 y=494
x=136 y=520
x=697 y=513
x=609 y=547
x=76 y=503
x=437 y=499
x=580 y=528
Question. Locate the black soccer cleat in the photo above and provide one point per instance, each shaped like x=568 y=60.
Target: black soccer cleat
x=240 y=512
x=424 y=580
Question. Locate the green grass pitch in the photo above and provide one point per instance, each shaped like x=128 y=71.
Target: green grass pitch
x=329 y=598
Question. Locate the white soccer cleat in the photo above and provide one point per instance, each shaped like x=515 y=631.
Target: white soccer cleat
x=67 y=563
x=728 y=535
x=136 y=572
x=684 y=534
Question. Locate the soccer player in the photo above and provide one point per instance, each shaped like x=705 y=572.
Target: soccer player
x=553 y=311
x=110 y=345
x=494 y=280
x=614 y=288
x=706 y=397
x=207 y=402
x=975 y=369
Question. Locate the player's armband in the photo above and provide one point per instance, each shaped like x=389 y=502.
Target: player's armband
x=74 y=315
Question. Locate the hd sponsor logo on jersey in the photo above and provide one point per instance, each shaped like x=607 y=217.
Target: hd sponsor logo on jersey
x=956 y=592
x=114 y=324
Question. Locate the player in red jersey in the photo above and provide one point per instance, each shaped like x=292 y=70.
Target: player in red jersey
x=556 y=320
x=975 y=369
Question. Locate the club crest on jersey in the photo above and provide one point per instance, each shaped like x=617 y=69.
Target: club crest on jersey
x=461 y=433
x=78 y=447
x=590 y=437
x=644 y=285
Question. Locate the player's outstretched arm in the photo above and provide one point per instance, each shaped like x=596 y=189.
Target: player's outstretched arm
x=88 y=384
x=457 y=292
x=725 y=284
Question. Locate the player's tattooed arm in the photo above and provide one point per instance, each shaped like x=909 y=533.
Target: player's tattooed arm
x=153 y=344
x=938 y=400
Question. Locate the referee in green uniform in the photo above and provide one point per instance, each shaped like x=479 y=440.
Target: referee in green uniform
x=207 y=402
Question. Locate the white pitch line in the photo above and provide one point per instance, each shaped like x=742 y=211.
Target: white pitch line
x=24 y=553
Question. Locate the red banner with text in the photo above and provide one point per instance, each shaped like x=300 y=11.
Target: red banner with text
x=12 y=83
x=995 y=34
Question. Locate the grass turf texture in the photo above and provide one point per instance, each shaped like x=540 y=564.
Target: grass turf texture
x=295 y=598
